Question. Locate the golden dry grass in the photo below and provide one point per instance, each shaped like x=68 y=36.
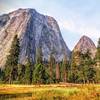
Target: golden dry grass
x=50 y=92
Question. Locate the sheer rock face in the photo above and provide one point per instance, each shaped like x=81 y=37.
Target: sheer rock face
x=85 y=44
x=33 y=30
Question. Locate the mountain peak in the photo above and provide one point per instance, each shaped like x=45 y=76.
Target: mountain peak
x=22 y=11
x=85 y=44
x=34 y=30
x=84 y=36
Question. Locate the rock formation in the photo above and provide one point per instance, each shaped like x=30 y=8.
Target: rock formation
x=33 y=30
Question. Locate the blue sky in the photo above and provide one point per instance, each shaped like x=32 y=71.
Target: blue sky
x=75 y=17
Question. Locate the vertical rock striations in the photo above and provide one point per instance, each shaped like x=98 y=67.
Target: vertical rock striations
x=33 y=30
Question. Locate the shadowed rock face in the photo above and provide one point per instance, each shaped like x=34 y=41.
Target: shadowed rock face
x=33 y=30
x=85 y=44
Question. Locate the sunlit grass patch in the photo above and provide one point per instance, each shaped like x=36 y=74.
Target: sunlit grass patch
x=51 y=92
x=54 y=92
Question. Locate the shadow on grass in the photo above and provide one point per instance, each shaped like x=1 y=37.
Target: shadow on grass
x=11 y=96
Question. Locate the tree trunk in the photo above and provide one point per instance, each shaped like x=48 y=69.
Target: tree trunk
x=57 y=72
x=51 y=72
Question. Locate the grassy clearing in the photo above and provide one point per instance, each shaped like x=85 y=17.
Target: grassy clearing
x=50 y=92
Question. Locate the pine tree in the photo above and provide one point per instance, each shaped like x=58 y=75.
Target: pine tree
x=97 y=78
x=39 y=73
x=12 y=61
x=28 y=73
x=97 y=59
x=2 y=74
x=21 y=73
x=82 y=68
x=51 y=65
x=87 y=68
x=65 y=69
x=98 y=54
x=75 y=61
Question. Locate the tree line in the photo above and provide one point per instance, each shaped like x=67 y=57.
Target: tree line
x=81 y=69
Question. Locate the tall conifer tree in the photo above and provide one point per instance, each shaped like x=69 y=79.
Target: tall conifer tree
x=12 y=61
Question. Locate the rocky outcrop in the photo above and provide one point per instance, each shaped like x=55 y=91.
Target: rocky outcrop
x=33 y=30
x=85 y=44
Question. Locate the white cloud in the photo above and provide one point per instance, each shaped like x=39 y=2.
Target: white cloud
x=80 y=27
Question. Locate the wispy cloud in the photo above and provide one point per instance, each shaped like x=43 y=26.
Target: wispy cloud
x=82 y=28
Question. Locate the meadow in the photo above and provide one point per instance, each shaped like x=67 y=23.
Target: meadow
x=50 y=92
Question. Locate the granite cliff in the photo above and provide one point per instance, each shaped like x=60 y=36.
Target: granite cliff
x=34 y=30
